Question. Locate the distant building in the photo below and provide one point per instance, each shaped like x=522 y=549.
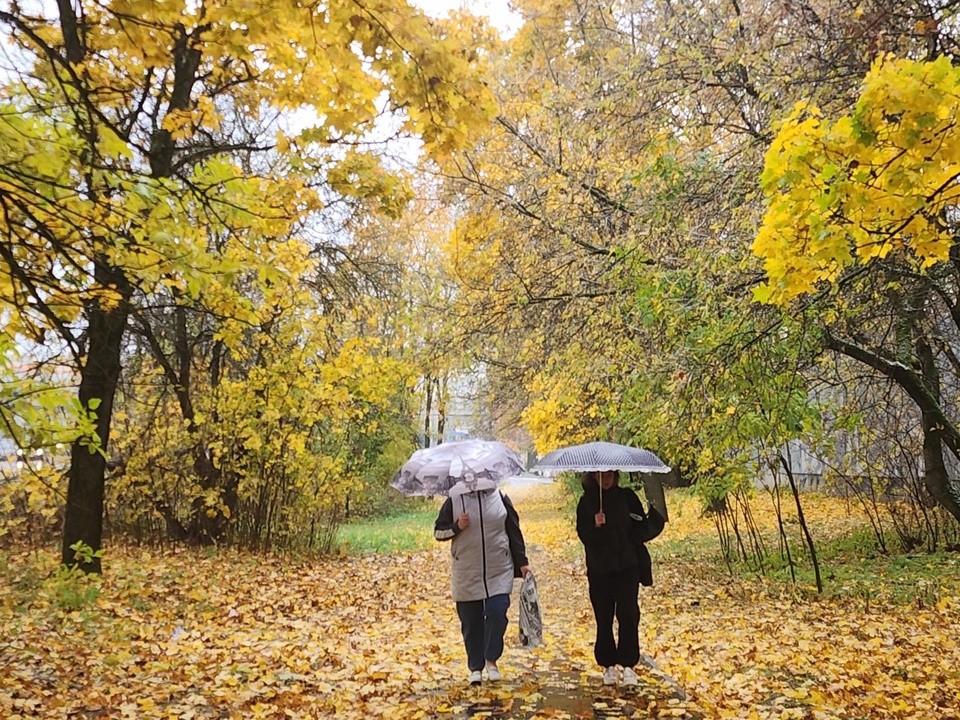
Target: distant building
x=460 y=410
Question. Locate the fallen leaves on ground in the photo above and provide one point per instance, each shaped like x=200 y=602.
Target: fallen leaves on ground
x=182 y=634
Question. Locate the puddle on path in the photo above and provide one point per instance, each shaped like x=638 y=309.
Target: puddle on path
x=565 y=696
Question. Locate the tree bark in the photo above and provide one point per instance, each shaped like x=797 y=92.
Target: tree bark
x=428 y=408
x=441 y=408
x=99 y=375
x=935 y=476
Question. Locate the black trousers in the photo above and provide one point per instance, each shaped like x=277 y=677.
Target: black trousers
x=615 y=595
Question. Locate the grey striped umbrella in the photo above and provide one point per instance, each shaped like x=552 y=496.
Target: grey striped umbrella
x=598 y=456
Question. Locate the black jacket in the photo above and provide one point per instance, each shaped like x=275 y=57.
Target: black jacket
x=616 y=545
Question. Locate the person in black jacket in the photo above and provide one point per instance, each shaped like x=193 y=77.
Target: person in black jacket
x=607 y=523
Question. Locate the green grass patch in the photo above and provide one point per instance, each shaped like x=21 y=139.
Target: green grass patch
x=900 y=579
x=694 y=548
x=20 y=581
x=405 y=532
x=859 y=543
x=852 y=567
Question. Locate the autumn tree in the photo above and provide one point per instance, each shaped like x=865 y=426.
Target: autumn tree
x=615 y=208
x=129 y=165
x=593 y=217
x=862 y=221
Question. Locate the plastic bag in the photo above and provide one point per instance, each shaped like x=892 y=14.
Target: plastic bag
x=531 y=625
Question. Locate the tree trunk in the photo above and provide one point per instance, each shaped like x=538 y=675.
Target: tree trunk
x=935 y=476
x=653 y=490
x=209 y=525
x=441 y=408
x=428 y=408
x=99 y=375
x=801 y=518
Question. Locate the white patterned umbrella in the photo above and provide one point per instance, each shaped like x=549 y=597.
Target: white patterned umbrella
x=599 y=456
x=434 y=471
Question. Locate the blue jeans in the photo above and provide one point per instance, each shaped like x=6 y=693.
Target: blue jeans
x=483 y=624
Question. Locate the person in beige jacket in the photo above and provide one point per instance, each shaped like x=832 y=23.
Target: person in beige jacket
x=488 y=552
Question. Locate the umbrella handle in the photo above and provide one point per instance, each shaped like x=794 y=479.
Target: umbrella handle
x=600 y=485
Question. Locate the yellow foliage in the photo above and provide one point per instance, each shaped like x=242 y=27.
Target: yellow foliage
x=362 y=175
x=866 y=185
x=152 y=155
x=554 y=420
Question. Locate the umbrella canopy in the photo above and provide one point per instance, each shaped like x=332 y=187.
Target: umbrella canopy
x=599 y=456
x=474 y=463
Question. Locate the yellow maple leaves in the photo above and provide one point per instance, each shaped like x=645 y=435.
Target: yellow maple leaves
x=868 y=184
x=362 y=175
x=555 y=414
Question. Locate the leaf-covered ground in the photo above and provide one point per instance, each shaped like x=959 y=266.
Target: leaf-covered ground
x=190 y=635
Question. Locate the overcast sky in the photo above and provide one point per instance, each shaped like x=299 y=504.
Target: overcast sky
x=501 y=17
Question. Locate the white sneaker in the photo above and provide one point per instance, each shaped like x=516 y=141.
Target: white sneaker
x=493 y=673
x=475 y=677
x=630 y=678
x=610 y=675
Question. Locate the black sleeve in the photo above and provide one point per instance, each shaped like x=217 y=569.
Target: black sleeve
x=634 y=506
x=645 y=525
x=587 y=529
x=518 y=548
x=446 y=528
